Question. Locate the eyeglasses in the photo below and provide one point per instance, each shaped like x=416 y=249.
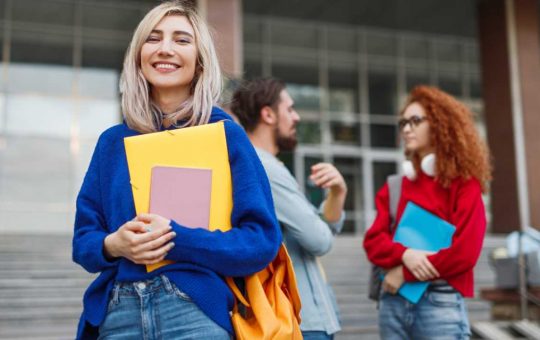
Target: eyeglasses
x=414 y=121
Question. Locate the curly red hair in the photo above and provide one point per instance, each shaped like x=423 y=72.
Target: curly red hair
x=460 y=152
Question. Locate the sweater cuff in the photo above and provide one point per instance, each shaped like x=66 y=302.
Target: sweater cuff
x=98 y=243
x=407 y=275
x=398 y=251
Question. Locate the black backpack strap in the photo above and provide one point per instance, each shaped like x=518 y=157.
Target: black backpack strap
x=375 y=279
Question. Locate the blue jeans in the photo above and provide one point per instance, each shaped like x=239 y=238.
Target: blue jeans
x=155 y=309
x=316 y=335
x=438 y=315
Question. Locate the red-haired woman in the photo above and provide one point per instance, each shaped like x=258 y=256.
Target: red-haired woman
x=447 y=170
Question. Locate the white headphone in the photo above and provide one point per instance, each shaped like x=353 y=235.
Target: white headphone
x=427 y=165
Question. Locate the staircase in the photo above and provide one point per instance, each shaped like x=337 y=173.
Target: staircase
x=41 y=289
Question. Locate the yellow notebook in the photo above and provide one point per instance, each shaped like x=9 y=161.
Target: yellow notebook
x=203 y=146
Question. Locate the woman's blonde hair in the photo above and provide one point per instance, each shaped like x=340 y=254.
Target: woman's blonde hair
x=139 y=112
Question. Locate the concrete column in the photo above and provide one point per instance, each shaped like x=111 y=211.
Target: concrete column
x=510 y=58
x=225 y=19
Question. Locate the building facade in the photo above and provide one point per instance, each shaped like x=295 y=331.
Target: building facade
x=61 y=61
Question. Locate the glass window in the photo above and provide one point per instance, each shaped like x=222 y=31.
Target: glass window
x=297 y=74
x=42 y=47
x=450 y=84
x=476 y=89
x=416 y=48
x=343 y=96
x=346 y=133
x=381 y=44
x=40 y=79
x=382 y=93
x=2 y=114
x=104 y=56
x=21 y=158
x=287 y=157
x=308 y=132
x=306 y=97
x=448 y=51
x=415 y=78
x=37 y=115
x=33 y=12
x=314 y=194
x=383 y=136
x=341 y=39
x=107 y=15
x=252 y=31
x=98 y=83
x=381 y=170
x=472 y=54
x=252 y=69
x=2 y=33
x=294 y=35
x=96 y=115
x=351 y=169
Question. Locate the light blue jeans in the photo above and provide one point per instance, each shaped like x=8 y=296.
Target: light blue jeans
x=438 y=315
x=317 y=335
x=155 y=309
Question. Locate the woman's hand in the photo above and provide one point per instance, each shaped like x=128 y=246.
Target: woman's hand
x=144 y=240
x=393 y=280
x=417 y=262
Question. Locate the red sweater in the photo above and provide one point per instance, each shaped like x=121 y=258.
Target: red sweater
x=460 y=204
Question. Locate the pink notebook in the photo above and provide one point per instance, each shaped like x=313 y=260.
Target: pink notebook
x=181 y=194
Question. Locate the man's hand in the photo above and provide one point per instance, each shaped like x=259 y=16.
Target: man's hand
x=417 y=262
x=144 y=240
x=326 y=176
x=393 y=280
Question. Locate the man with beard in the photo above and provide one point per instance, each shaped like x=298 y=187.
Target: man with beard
x=266 y=110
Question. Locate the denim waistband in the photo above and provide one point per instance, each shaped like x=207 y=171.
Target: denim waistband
x=143 y=287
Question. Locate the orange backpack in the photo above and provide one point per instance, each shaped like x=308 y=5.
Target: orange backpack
x=271 y=305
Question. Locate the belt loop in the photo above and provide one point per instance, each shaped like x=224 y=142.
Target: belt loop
x=116 y=290
x=168 y=285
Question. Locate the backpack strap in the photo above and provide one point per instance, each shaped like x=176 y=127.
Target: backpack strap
x=394 y=190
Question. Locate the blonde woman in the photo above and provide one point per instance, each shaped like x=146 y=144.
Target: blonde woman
x=171 y=79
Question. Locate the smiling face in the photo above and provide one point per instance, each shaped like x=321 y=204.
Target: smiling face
x=415 y=130
x=169 y=56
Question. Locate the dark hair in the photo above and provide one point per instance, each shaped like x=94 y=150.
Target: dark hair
x=251 y=96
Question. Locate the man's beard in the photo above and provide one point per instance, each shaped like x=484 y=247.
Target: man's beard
x=285 y=143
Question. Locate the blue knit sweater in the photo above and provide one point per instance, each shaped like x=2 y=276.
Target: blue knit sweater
x=203 y=258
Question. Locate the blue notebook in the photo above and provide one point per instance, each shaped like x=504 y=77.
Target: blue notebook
x=420 y=229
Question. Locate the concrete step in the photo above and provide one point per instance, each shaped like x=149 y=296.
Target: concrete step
x=32 y=292
x=38 y=329
x=14 y=302
x=38 y=274
x=491 y=330
x=59 y=283
x=526 y=328
x=41 y=313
